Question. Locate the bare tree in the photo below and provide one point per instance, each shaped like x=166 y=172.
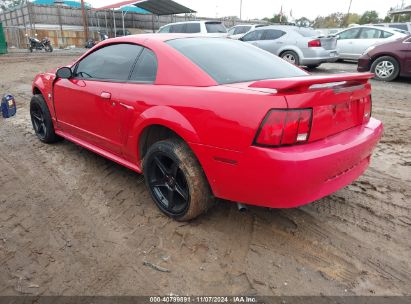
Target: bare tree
x=8 y=4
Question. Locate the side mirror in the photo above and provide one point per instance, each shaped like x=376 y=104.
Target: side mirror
x=337 y=37
x=241 y=39
x=64 y=73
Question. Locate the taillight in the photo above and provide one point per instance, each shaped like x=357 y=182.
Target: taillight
x=284 y=127
x=367 y=109
x=314 y=43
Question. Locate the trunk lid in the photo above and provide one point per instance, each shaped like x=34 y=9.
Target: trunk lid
x=338 y=102
x=329 y=43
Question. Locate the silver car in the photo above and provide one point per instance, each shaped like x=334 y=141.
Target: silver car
x=353 y=42
x=297 y=45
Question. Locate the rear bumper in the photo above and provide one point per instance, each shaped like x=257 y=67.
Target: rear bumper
x=313 y=57
x=290 y=176
x=364 y=63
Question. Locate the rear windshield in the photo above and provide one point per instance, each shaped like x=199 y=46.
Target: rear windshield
x=215 y=27
x=306 y=32
x=234 y=61
x=403 y=27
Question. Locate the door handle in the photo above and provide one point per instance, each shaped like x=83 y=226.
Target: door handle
x=105 y=95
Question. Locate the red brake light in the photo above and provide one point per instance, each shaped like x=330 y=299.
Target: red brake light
x=314 y=43
x=284 y=127
x=367 y=109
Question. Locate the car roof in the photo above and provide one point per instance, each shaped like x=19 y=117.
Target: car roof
x=193 y=21
x=381 y=28
x=140 y=38
x=253 y=24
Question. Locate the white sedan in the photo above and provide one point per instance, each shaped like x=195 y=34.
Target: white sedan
x=353 y=42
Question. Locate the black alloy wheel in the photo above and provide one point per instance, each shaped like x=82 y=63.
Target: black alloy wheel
x=42 y=121
x=176 y=180
x=38 y=121
x=168 y=184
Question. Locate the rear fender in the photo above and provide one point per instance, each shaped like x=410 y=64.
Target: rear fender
x=290 y=48
x=159 y=115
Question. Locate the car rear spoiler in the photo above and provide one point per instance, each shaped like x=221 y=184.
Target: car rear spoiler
x=304 y=83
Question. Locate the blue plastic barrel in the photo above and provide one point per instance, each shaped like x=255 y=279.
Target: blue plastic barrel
x=8 y=106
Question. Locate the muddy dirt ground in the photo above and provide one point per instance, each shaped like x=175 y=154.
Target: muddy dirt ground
x=74 y=223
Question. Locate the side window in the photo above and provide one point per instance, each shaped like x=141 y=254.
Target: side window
x=386 y=34
x=193 y=28
x=165 y=29
x=146 y=68
x=113 y=62
x=350 y=34
x=370 y=33
x=177 y=28
x=272 y=34
x=253 y=36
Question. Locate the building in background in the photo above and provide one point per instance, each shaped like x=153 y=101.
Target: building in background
x=62 y=22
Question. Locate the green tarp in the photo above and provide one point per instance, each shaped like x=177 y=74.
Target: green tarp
x=3 y=43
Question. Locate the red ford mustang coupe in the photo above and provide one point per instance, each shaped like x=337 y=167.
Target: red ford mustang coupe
x=211 y=117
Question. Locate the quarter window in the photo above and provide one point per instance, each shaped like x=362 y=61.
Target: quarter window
x=113 y=62
x=386 y=34
x=146 y=68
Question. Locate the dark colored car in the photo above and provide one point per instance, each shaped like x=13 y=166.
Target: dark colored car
x=389 y=60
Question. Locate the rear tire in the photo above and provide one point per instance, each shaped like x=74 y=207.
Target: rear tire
x=291 y=57
x=41 y=120
x=176 y=180
x=385 y=68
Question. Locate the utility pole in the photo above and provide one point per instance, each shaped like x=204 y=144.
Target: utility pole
x=85 y=25
x=241 y=9
x=348 y=14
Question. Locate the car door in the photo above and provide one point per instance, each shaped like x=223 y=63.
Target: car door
x=271 y=40
x=136 y=96
x=407 y=56
x=346 y=41
x=87 y=105
x=366 y=38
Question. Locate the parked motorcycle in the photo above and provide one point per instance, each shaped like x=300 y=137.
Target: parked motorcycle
x=36 y=44
x=90 y=43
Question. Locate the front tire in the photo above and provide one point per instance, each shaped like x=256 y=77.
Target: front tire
x=176 y=180
x=41 y=120
x=385 y=68
x=291 y=57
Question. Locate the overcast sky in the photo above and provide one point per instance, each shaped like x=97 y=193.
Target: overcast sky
x=267 y=8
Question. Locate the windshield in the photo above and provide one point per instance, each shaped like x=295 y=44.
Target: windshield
x=215 y=27
x=234 y=61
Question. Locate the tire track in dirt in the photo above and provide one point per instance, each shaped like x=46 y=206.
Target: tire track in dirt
x=76 y=223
